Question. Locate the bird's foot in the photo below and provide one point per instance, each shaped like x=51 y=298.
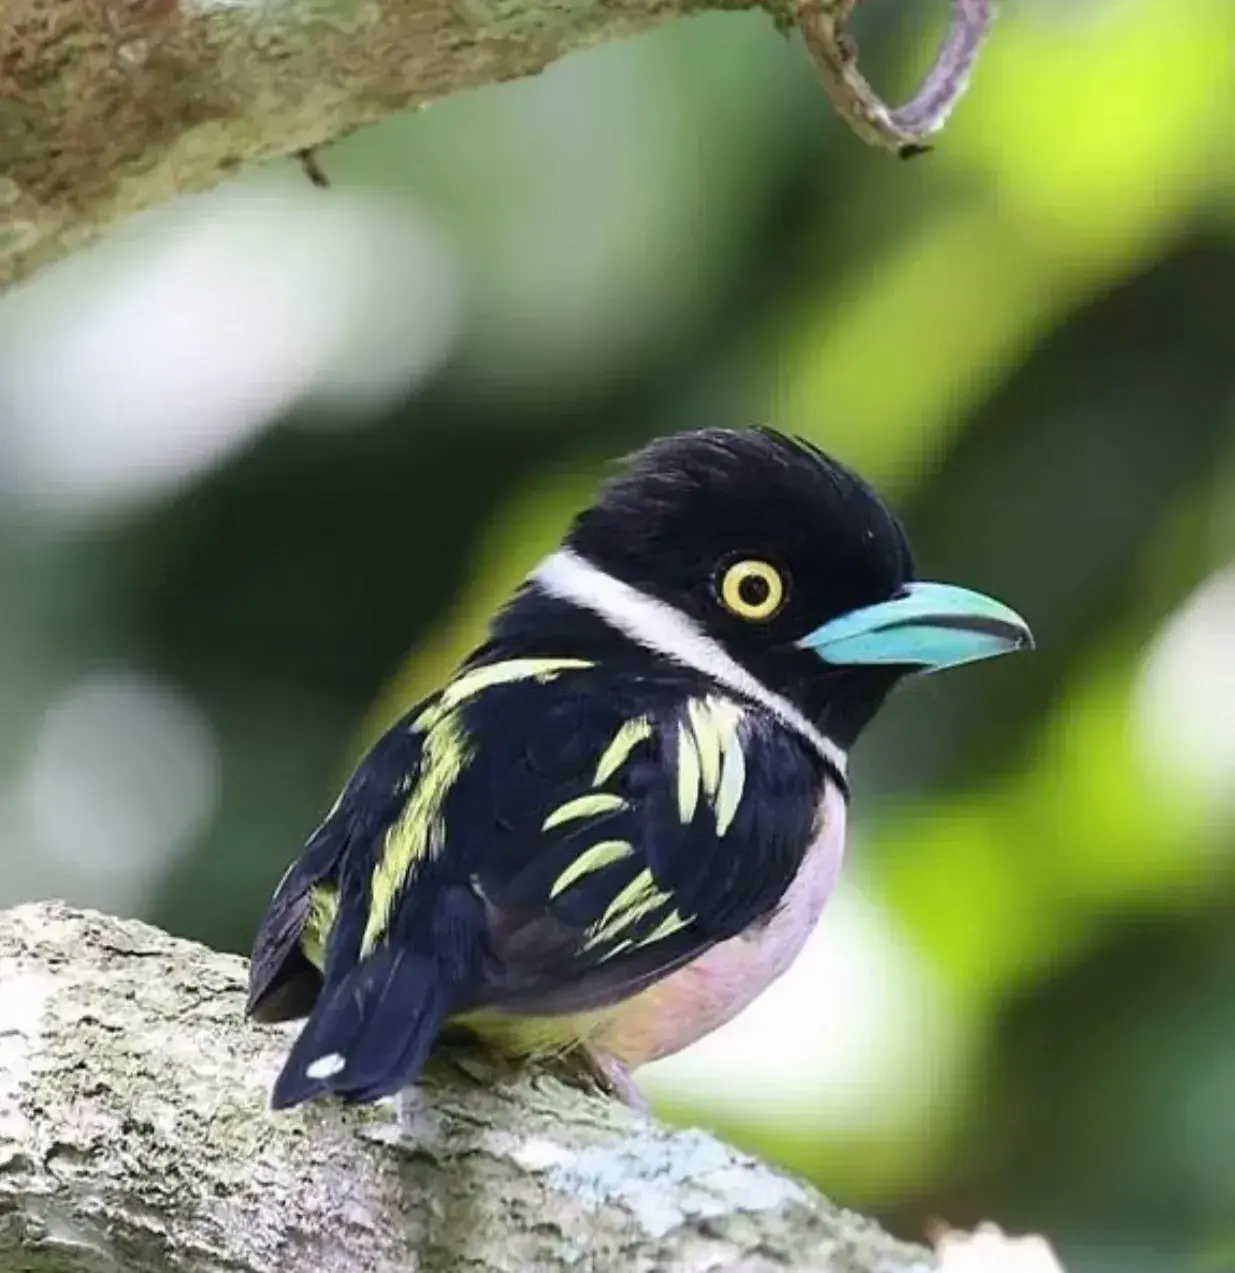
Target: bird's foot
x=610 y=1076
x=412 y=1118
x=471 y=1056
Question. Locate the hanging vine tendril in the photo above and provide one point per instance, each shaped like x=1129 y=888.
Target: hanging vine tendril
x=905 y=129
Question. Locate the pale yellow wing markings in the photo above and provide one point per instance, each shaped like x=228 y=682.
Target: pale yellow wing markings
x=703 y=726
x=419 y=832
x=631 y=734
x=323 y=902
x=717 y=767
x=591 y=859
x=726 y=716
x=634 y=894
x=594 y=803
x=711 y=766
x=478 y=679
x=688 y=774
x=732 y=783
x=589 y=806
x=636 y=900
x=671 y=924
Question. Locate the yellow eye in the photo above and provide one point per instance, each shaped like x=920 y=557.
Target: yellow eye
x=752 y=589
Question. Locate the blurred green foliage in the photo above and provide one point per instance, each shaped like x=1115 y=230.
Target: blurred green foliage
x=1027 y=339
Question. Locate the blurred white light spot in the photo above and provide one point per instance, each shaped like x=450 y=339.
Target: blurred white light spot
x=855 y=1036
x=538 y=1154
x=124 y=775
x=166 y=351
x=989 y=1250
x=1185 y=700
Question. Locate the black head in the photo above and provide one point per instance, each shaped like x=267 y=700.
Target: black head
x=788 y=561
x=760 y=539
x=688 y=506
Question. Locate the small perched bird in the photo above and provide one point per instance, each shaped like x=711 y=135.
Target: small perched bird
x=620 y=819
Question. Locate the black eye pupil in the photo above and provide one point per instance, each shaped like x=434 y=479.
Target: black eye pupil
x=754 y=590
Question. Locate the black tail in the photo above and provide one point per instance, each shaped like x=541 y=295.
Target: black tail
x=371 y=1032
x=370 y=1036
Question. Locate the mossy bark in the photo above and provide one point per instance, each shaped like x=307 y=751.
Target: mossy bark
x=134 y=1136
x=111 y=106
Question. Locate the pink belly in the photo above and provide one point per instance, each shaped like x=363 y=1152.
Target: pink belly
x=695 y=1000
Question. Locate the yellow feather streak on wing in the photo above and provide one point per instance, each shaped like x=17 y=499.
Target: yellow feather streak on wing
x=704 y=726
x=479 y=679
x=632 y=733
x=418 y=833
x=589 y=806
x=728 y=716
x=323 y=907
x=732 y=783
x=638 y=890
x=714 y=724
x=446 y=751
x=635 y=901
x=666 y=928
x=688 y=774
x=591 y=860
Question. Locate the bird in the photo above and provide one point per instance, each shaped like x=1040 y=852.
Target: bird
x=620 y=818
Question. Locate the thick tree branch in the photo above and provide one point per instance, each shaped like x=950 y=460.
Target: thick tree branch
x=111 y=106
x=134 y=1135
x=108 y=106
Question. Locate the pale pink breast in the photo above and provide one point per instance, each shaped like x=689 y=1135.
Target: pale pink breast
x=705 y=994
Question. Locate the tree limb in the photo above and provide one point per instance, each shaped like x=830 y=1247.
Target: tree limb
x=111 y=106
x=134 y=1136
x=108 y=106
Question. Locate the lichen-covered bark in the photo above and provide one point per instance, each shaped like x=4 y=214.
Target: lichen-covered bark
x=134 y=1136
x=108 y=106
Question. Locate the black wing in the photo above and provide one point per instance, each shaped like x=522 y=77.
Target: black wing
x=285 y=972
x=628 y=834
x=544 y=838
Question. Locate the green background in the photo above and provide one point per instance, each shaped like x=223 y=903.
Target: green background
x=269 y=457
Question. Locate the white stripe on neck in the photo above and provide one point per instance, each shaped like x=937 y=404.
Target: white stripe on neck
x=662 y=628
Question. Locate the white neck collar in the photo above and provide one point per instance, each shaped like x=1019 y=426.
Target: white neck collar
x=664 y=629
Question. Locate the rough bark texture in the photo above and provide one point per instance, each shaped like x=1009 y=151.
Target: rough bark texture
x=134 y=1136
x=109 y=106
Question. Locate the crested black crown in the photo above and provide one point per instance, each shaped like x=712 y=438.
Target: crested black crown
x=686 y=502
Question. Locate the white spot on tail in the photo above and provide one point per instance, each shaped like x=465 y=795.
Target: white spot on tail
x=326 y=1067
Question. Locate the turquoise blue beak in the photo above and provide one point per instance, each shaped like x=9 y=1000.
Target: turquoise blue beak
x=928 y=625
